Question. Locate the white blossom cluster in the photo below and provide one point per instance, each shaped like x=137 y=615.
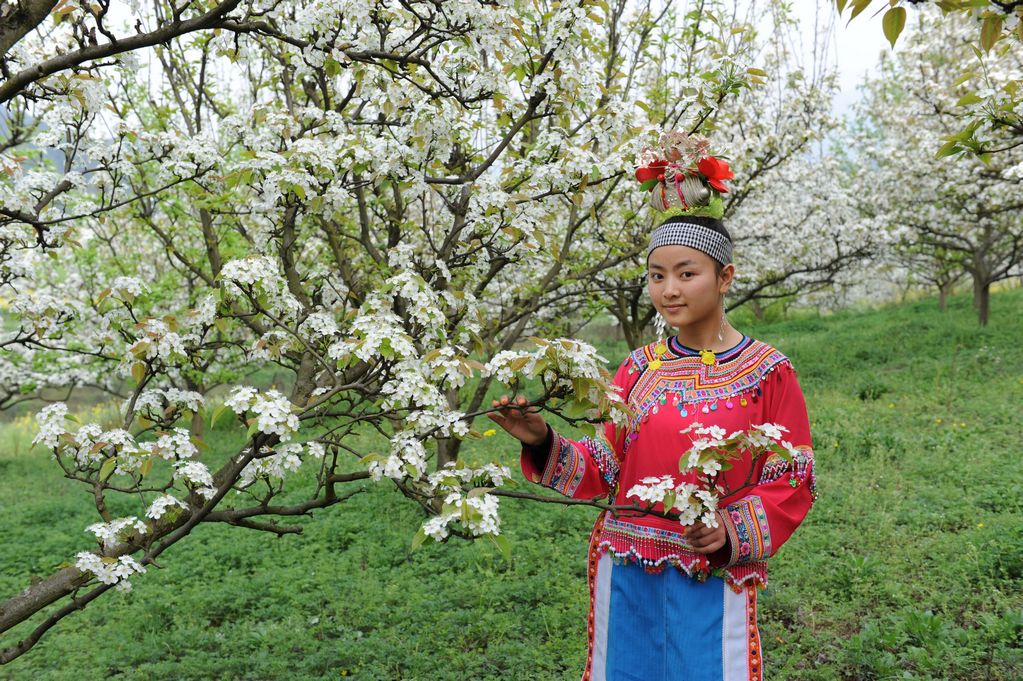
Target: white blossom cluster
x=273 y=411
x=447 y=365
x=690 y=501
x=506 y=364
x=160 y=505
x=176 y=445
x=196 y=474
x=50 y=421
x=375 y=332
x=424 y=305
x=453 y=478
x=43 y=313
x=153 y=402
x=285 y=459
x=158 y=342
x=407 y=457
x=109 y=570
x=561 y=362
x=476 y=512
x=110 y=533
x=260 y=275
x=128 y=288
x=320 y=325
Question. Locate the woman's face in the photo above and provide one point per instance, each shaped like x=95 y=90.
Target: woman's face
x=685 y=286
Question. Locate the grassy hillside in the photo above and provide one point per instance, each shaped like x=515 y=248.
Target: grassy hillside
x=909 y=566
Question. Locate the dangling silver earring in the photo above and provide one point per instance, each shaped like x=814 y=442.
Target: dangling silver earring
x=660 y=326
x=721 y=330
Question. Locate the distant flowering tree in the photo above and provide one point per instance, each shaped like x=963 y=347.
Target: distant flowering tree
x=951 y=215
x=986 y=117
x=382 y=199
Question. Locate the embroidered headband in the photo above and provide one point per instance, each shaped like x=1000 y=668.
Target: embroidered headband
x=678 y=232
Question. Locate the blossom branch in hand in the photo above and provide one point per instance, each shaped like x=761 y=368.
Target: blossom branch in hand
x=697 y=498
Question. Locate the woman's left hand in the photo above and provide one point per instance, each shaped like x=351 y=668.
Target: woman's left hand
x=705 y=539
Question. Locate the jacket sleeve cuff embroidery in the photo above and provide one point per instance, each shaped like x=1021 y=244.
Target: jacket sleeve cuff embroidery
x=748 y=531
x=565 y=466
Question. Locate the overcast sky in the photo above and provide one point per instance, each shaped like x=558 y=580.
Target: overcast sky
x=855 y=50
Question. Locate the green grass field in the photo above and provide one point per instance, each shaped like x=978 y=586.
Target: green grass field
x=910 y=566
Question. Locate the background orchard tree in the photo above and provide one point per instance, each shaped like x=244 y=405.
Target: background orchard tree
x=988 y=115
x=381 y=200
x=962 y=212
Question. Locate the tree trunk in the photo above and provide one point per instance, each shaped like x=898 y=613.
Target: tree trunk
x=18 y=18
x=634 y=332
x=981 y=299
x=447 y=450
x=198 y=425
x=943 y=292
x=448 y=447
x=758 y=309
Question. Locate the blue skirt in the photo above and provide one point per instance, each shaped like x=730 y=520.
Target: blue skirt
x=667 y=626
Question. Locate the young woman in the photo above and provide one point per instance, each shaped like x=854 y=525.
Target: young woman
x=671 y=603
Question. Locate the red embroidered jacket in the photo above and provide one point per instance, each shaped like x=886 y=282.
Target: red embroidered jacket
x=668 y=387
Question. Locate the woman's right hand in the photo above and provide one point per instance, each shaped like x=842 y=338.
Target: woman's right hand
x=520 y=420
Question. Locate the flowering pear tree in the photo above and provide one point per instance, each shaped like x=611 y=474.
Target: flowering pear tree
x=960 y=214
x=383 y=200
x=987 y=116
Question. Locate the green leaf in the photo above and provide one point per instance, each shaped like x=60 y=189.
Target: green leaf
x=648 y=185
x=138 y=371
x=990 y=31
x=969 y=98
x=963 y=78
x=587 y=428
x=503 y=545
x=216 y=415
x=948 y=149
x=146 y=466
x=756 y=72
x=577 y=409
x=419 y=539
x=857 y=7
x=107 y=468
x=893 y=22
x=840 y=4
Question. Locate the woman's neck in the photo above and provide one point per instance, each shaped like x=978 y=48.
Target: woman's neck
x=707 y=338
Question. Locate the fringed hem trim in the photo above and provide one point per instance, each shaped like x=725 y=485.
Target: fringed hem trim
x=693 y=565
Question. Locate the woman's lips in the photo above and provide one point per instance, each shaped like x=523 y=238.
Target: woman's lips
x=673 y=308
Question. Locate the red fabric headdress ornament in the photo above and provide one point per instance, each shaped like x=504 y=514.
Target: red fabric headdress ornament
x=682 y=177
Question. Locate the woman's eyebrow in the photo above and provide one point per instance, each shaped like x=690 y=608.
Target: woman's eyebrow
x=682 y=263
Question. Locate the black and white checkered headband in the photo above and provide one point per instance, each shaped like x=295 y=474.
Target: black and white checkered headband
x=694 y=235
